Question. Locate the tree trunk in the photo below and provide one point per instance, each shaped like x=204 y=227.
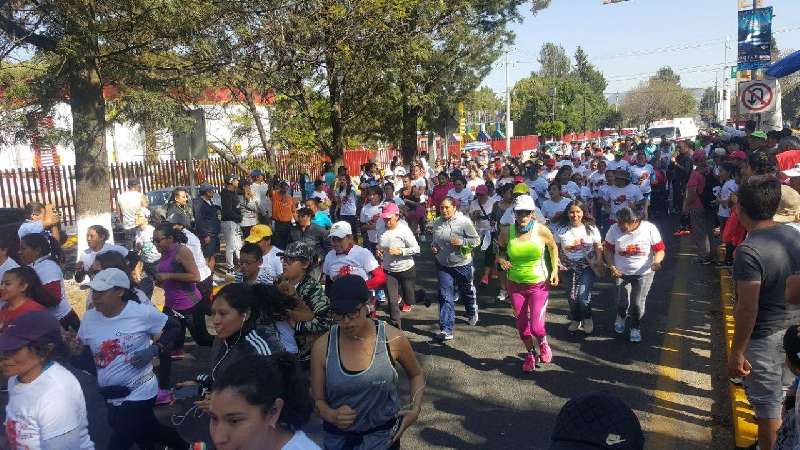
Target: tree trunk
x=262 y=133
x=93 y=189
x=150 y=143
x=408 y=142
x=335 y=103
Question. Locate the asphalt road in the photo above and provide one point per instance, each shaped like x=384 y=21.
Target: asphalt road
x=477 y=396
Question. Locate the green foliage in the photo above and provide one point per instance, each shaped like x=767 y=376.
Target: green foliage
x=708 y=103
x=657 y=98
x=554 y=129
x=554 y=61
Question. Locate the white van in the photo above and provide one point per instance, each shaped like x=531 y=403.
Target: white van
x=677 y=128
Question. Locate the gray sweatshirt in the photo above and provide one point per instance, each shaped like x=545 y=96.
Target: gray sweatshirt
x=402 y=237
x=443 y=230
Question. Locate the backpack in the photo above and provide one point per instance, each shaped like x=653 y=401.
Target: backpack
x=707 y=197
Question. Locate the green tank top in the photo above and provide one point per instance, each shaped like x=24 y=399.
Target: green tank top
x=526 y=257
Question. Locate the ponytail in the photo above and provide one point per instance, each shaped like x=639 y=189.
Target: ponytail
x=47 y=246
x=35 y=290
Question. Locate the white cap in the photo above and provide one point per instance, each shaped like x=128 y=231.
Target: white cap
x=793 y=172
x=525 y=203
x=340 y=230
x=109 y=278
x=400 y=171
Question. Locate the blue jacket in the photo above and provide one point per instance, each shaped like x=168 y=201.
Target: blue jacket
x=206 y=218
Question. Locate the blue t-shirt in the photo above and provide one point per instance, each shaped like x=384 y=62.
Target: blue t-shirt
x=322 y=219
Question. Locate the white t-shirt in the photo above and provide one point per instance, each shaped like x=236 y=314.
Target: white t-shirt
x=540 y=186
x=7 y=265
x=130 y=203
x=641 y=176
x=728 y=188
x=88 y=256
x=49 y=271
x=586 y=193
x=616 y=165
x=551 y=208
x=321 y=195
x=193 y=242
x=300 y=441
x=633 y=252
x=482 y=224
x=358 y=261
x=347 y=202
x=474 y=183
x=286 y=335
x=271 y=265
x=114 y=340
x=47 y=407
x=619 y=198
x=30 y=227
x=463 y=198
x=371 y=214
x=576 y=243
x=144 y=243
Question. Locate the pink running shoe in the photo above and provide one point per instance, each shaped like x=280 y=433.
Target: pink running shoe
x=545 y=354
x=485 y=280
x=530 y=363
x=164 y=397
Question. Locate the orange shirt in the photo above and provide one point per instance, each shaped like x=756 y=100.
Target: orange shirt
x=283 y=206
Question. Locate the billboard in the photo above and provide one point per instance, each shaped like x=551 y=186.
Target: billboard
x=755 y=36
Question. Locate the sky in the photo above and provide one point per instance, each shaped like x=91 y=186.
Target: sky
x=629 y=41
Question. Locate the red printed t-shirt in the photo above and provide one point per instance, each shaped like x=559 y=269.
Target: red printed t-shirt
x=8 y=315
x=633 y=251
x=697 y=182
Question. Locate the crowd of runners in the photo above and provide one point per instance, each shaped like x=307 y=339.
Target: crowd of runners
x=296 y=308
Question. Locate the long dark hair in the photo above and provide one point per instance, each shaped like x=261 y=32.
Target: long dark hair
x=45 y=244
x=273 y=304
x=169 y=230
x=261 y=380
x=240 y=297
x=587 y=221
x=35 y=290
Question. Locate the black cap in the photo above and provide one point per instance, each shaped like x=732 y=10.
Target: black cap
x=597 y=421
x=347 y=293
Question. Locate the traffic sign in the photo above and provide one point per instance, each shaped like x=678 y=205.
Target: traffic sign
x=756 y=97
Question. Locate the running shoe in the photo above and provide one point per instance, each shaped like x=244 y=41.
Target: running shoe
x=530 y=363
x=164 y=397
x=473 y=320
x=405 y=308
x=588 y=325
x=636 y=335
x=502 y=296
x=178 y=353
x=485 y=280
x=619 y=325
x=703 y=261
x=546 y=355
x=574 y=326
x=443 y=336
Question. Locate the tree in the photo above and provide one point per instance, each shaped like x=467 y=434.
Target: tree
x=668 y=75
x=587 y=73
x=708 y=104
x=659 y=97
x=554 y=129
x=554 y=61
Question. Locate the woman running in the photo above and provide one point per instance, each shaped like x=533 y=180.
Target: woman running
x=353 y=378
x=581 y=245
x=22 y=292
x=634 y=252
x=522 y=255
x=97 y=241
x=261 y=402
x=397 y=247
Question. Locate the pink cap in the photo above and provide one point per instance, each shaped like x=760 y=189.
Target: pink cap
x=389 y=210
x=482 y=189
x=518 y=179
x=740 y=155
x=699 y=155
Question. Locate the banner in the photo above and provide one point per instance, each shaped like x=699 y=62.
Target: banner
x=755 y=36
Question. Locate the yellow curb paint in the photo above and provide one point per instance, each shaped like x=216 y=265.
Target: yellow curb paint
x=745 y=430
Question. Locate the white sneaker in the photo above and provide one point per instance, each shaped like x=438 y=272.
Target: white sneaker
x=588 y=325
x=574 y=326
x=502 y=296
x=473 y=320
x=636 y=335
x=619 y=325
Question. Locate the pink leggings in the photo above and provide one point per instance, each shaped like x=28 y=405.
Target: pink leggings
x=530 y=305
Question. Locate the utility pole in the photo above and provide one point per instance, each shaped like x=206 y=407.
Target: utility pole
x=553 y=93
x=508 y=109
x=726 y=103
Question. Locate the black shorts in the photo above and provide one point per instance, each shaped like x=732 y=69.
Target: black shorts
x=210 y=248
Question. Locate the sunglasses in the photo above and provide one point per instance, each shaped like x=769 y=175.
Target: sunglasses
x=337 y=317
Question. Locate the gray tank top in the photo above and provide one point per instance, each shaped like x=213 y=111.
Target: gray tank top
x=372 y=392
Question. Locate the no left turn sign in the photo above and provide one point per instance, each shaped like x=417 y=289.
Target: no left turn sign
x=757 y=96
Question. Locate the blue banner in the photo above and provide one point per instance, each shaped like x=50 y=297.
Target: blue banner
x=755 y=37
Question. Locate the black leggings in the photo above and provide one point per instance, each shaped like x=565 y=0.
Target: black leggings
x=133 y=422
x=193 y=319
x=396 y=283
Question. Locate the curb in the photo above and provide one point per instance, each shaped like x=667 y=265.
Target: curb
x=745 y=430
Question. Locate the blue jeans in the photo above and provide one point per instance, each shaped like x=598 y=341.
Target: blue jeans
x=579 y=285
x=451 y=280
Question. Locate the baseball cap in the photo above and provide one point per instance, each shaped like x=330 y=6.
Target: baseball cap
x=789 y=206
x=231 y=178
x=257 y=233
x=205 y=187
x=256 y=173
x=518 y=179
x=110 y=278
x=482 y=189
x=347 y=292
x=597 y=421
x=389 y=210
x=699 y=155
x=740 y=155
x=39 y=327
x=793 y=172
x=521 y=188
x=524 y=203
x=297 y=250
x=759 y=134
x=340 y=229
x=550 y=162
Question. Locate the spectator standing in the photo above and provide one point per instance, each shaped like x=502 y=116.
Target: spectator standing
x=179 y=210
x=700 y=215
x=283 y=208
x=313 y=235
x=261 y=191
x=207 y=225
x=131 y=202
x=762 y=264
x=231 y=218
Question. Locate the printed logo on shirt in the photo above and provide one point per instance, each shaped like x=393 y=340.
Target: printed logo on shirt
x=108 y=352
x=577 y=246
x=632 y=250
x=620 y=200
x=17 y=433
x=344 y=270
